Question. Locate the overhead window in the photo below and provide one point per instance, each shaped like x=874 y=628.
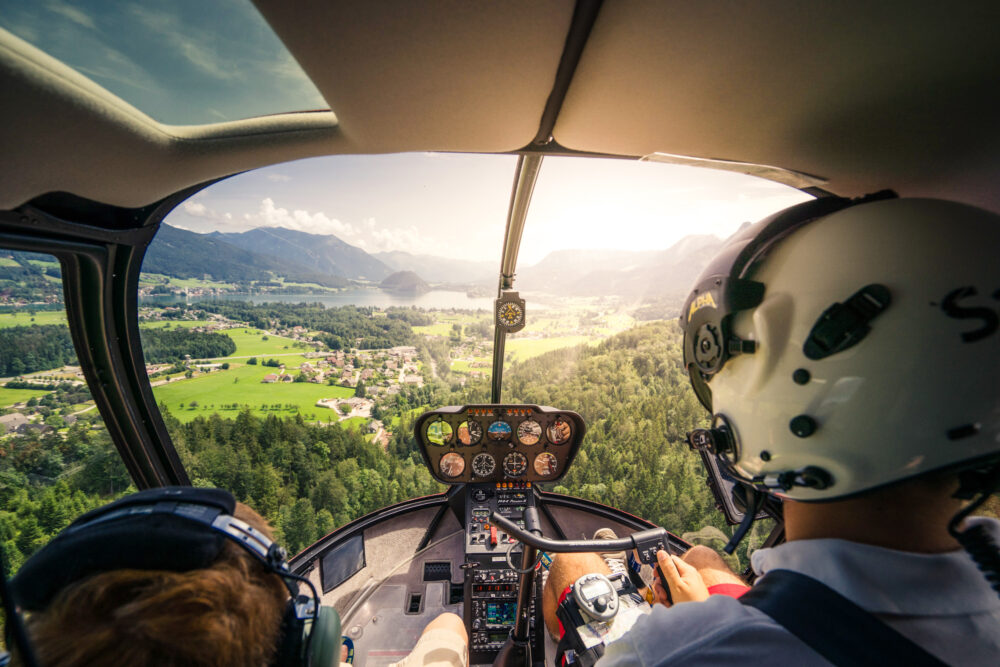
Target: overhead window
x=182 y=62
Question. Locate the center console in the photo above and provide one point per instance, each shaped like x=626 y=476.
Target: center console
x=491 y=585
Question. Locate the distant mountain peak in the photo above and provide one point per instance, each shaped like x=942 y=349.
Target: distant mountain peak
x=405 y=282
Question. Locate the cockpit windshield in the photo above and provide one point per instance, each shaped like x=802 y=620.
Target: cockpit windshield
x=331 y=301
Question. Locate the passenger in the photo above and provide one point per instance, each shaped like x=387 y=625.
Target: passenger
x=866 y=418
x=227 y=614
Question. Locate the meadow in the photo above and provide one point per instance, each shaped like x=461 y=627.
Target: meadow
x=23 y=318
x=9 y=397
x=242 y=385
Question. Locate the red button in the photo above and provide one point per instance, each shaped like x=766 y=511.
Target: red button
x=493 y=536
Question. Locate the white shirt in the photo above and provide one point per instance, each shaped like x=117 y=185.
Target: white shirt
x=939 y=601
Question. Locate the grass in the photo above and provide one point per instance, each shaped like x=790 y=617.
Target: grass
x=533 y=347
x=354 y=423
x=22 y=318
x=437 y=329
x=44 y=264
x=413 y=413
x=149 y=279
x=8 y=261
x=249 y=341
x=9 y=397
x=174 y=324
x=242 y=384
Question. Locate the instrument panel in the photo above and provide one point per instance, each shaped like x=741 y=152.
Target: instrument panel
x=498 y=443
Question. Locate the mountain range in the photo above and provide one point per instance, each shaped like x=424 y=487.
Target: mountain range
x=265 y=253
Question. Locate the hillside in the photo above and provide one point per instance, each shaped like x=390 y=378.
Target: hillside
x=306 y=253
x=405 y=282
x=441 y=269
x=634 y=274
x=182 y=254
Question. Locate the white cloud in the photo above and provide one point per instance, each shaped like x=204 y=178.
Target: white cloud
x=71 y=13
x=278 y=178
x=366 y=235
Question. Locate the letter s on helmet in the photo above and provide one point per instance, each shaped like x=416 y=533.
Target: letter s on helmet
x=842 y=345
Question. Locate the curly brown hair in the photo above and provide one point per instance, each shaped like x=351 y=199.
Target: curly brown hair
x=226 y=615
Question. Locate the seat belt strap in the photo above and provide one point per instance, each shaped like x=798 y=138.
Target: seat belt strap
x=830 y=624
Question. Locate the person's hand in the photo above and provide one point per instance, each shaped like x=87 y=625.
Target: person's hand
x=685 y=583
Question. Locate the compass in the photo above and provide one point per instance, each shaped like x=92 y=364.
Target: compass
x=510 y=312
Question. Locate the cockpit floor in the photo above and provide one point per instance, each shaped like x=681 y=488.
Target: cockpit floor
x=383 y=632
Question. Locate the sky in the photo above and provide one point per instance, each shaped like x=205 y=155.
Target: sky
x=192 y=61
x=455 y=205
x=181 y=62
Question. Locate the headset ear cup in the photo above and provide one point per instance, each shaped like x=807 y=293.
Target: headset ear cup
x=291 y=644
x=326 y=639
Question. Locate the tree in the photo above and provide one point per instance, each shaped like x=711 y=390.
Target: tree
x=360 y=390
x=299 y=525
x=225 y=366
x=252 y=361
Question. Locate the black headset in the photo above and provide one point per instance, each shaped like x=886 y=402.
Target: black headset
x=176 y=529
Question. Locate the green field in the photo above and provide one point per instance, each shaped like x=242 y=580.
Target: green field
x=150 y=279
x=22 y=318
x=249 y=341
x=243 y=385
x=179 y=324
x=521 y=350
x=11 y=396
x=7 y=261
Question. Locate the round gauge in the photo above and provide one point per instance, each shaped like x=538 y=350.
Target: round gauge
x=529 y=432
x=452 y=464
x=546 y=464
x=469 y=432
x=559 y=431
x=483 y=465
x=510 y=314
x=514 y=464
x=499 y=430
x=439 y=433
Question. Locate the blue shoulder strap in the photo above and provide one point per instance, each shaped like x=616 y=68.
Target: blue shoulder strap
x=830 y=624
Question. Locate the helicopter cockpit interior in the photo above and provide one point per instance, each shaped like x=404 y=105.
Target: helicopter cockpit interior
x=211 y=272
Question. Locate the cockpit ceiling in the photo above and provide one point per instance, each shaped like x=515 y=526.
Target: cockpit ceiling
x=865 y=95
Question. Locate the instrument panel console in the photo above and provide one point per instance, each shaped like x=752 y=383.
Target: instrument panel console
x=498 y=443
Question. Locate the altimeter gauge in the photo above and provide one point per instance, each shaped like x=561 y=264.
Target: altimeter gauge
x=483 y=465
x=514 y=464
x=509 y=309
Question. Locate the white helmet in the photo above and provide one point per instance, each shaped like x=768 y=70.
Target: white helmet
x=844 y=345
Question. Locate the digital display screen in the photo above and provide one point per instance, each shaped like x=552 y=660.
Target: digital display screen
x=500 y=636
x=501 y=613
x=594 y=589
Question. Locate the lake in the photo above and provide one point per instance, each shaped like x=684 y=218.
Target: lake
x=433 y=300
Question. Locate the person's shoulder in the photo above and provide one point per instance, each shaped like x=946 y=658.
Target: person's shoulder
x=719 y=630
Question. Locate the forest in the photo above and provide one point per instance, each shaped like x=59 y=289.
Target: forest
x=170 y=345
x=341 y=328
x=35 y=348
x=308 y=479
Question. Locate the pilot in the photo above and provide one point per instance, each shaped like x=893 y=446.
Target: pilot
x=227 y=614
x=849 y=354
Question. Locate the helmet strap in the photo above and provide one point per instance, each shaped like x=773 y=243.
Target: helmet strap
x=755 y=500
x=976 y=540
